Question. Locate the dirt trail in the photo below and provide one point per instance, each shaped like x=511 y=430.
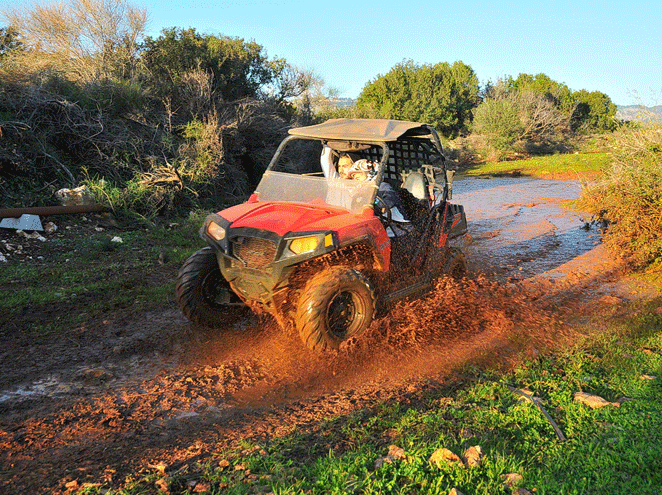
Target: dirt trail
x=135 y=392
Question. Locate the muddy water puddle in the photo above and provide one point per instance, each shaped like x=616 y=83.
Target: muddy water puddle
x=522 y=227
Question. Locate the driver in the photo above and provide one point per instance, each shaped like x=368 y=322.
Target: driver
x=365 y=170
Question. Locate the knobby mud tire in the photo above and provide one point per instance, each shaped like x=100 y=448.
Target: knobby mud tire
x=197 y=290
x=336 y=304
x=456 y=264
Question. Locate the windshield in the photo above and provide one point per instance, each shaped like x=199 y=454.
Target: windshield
x=349 y=194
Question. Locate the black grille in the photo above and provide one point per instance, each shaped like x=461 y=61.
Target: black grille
x=254 y=252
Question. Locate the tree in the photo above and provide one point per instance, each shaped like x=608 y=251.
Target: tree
x=588 y=111
x=84 y=40
x=8 y=40
x=508 y=115
x=498 y=120
x=442 y=95
x=237 y=69
x=595 y=111
x=558 y=93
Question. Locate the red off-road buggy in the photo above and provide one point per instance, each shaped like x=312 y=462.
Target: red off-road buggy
x=321 y=253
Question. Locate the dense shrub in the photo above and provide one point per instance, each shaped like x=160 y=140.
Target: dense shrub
x=62 y=133
x=236 y=69
x=180 y=121
x=441 y=94
x=83 y=40
x=594 y=111
x=499 y=122
x=524 y=119
x=629 y=198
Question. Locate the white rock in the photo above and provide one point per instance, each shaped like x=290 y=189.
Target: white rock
x=73 y=197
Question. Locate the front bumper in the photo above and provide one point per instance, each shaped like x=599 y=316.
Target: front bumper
x=258 y=263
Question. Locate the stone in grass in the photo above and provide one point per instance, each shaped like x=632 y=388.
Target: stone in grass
x=444 y=457
x=202 y=487
x=511 y=480
x=394 y=453
x=473 y=456
x=593 y=401
x=163 y=484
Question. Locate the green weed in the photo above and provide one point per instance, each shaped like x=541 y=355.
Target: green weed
x=579 y=165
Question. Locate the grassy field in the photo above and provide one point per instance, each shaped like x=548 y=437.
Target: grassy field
x=570 y=166
x=78 y=271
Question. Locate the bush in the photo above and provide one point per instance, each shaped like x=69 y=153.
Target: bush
x=82 y=41
x=511 y=118
x=442 y=95
x=499 y=122
x=629 y=198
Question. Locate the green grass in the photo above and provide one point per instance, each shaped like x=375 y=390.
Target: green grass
x=615 y=450
x=85 y=273
x=565 y=165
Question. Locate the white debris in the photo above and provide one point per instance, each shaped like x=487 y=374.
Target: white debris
x=33 y=235
x=74 y=197
x=117 y=239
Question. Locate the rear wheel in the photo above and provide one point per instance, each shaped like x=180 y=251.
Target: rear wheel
x=336 y=304
x=203 y=294
x=456 y=264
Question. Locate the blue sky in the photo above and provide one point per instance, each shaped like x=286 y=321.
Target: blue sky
x=613 y=47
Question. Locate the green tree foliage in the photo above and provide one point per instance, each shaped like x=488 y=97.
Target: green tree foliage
x=498 y=120
x=542 y=84
x=546 y=110
x=236 y=69
x=594 y=111
x=442 y=95
x=589 y=111
x=509 y=118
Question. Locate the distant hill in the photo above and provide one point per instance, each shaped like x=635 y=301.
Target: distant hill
x=343 y=102
x=640 y=113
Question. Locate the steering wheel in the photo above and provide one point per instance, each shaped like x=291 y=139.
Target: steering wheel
x=383 y=211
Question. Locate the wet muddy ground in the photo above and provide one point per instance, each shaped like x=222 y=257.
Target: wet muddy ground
x=523 y=227
x=130 y=392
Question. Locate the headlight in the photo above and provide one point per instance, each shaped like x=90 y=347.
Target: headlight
x=216 y=231
x=304 y=244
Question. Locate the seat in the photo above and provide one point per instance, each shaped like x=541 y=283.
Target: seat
x=417 y=184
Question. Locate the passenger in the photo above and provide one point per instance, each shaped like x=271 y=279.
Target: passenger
x=365 y=170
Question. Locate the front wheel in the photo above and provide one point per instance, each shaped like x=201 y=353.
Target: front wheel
x=203 y=294
x=336 y=304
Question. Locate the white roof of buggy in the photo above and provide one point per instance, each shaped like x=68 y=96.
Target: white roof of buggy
x=361 y=130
